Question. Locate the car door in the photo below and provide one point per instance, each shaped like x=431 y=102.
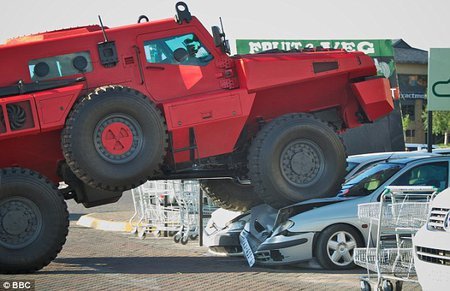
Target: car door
x=178 y=65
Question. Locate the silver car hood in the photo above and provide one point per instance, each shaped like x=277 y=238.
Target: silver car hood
x=264 y=219
x=285 y=213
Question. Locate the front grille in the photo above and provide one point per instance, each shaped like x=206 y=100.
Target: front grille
x=263 y=256
x=436 y=219
x=434 y=256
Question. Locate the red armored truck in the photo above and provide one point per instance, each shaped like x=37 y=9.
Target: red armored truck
x=105 y=109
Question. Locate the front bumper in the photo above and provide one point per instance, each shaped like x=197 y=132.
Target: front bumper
x=432 y=258
x=280 y=249
x=223 y=242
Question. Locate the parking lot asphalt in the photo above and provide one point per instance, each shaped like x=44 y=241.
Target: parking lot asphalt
x=101 y=260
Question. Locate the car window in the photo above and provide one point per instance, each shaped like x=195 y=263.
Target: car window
x=363 y=168
x=432 y=174
x=369 y=180
x=60 y=66
x=178 y=50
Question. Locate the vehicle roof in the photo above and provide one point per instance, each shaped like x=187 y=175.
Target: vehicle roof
x=384 y=155
x=408 y=160
x=54 y=34
x=153 y=25
x=442 y=151
x=419 y=145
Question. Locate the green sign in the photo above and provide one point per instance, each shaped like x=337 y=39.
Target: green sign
x=374 y=47
x=439 y=79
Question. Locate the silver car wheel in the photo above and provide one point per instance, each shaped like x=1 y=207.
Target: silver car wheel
x=340 y=247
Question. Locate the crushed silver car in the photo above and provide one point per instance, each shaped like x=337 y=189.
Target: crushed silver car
x=329 y=229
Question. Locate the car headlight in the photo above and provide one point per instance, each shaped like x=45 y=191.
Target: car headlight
x=284 y=226
x=237 y=225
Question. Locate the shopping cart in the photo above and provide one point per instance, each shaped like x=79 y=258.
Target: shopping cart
x=188 y=201
x=170 y=207
x=155 y=208
x=397 y=217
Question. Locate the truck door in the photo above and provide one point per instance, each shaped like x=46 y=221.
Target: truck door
x=177 y=65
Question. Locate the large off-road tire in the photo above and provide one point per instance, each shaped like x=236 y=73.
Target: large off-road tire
x=231 y=195
x=33 y=221
x=114 y=139
x=296 y=157
x=335 y=247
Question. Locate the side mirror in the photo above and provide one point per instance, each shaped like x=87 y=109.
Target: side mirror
x=219 y=39
x=217 y=35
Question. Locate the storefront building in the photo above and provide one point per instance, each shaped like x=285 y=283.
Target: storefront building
x=412 y=70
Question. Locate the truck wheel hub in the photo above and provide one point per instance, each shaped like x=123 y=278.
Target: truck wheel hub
x=302 y=163
x=20 y=222
x=118 y=138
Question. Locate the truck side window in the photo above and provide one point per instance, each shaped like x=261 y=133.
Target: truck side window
x=178 y=50
x=60 y=66
x=433 y=174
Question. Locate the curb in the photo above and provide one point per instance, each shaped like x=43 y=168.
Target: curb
x=89 y=220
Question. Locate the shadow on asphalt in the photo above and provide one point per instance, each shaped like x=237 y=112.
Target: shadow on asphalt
x=172 y=265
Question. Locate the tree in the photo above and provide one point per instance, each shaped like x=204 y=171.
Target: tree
x=441 y=123
x=405 y=124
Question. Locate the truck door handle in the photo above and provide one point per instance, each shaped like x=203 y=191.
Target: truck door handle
x=206 y=115
x=155 y=68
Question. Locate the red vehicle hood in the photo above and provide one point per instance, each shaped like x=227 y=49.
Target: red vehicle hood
x=268 y=70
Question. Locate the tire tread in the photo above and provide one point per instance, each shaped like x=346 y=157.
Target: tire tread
x=255 y=163
x=61 y=240
x=66 y=137
x=229 y=195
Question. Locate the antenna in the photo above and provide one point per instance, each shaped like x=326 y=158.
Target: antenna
x=107 y=49
x=219 y=37
x=387 y=160
x=103 y=28
x=226 y=44
x=221 y=27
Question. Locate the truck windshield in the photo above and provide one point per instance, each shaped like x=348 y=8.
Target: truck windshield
x=178 y=50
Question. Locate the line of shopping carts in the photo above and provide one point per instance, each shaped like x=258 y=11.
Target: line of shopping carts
x=393 y=221
x=168 y=207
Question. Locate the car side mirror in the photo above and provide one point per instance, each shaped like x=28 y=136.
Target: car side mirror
x=217 y=35
x=219 y=39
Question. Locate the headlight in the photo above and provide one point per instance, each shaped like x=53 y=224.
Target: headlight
x=284 y=226
x=237 y=225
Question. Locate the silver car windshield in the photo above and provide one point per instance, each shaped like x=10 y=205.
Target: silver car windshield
x=369 y=180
